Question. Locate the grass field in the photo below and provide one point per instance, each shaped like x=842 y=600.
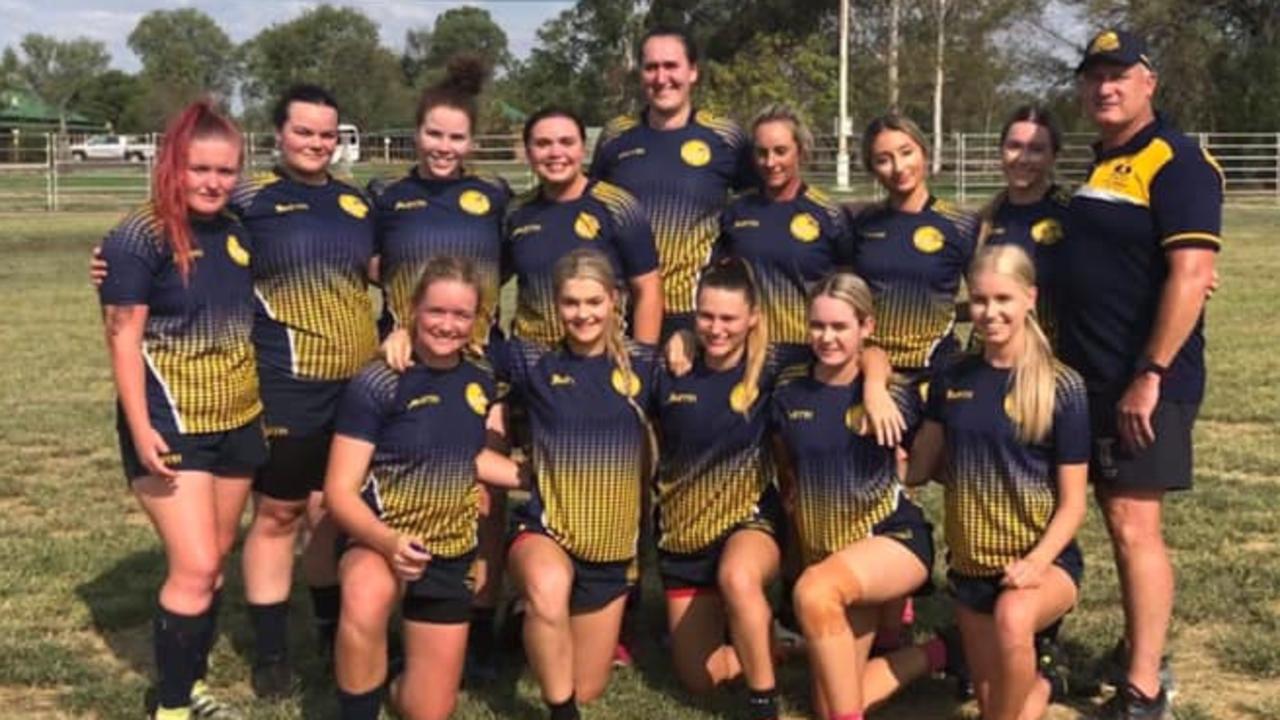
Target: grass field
x=81 y=564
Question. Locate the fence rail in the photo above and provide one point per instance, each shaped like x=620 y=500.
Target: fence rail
x=38 y=171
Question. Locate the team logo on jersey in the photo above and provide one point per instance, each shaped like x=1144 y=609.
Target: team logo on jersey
x=928 y=239
x=695 y=153
x=742 y=397
x=586 y=226
x=353 y=206
x=626 y=384
x=854 y=419
x=805 y=228
x=924 y=391
x=1047 y=232
x=1106 y=42
x=476 y=399
x=238 y=254
x=473 y=202
x=1010 y=409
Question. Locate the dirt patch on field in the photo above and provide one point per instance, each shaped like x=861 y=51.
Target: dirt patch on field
x=1203 y=682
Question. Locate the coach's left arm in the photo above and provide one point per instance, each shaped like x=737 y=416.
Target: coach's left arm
x=1186 y=202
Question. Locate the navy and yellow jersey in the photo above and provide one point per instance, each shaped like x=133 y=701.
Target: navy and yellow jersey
x=314 y=324
x=197 y=342
x=715 y=464
x=913 y=263
x=1038 y=229
x=420 y=218
x=541 y=231
x=589 y=443
x=1158 y=193
x=791 y=245
x=1000 y=493
x=682 y=178
x=426 y=426
x=845 y=483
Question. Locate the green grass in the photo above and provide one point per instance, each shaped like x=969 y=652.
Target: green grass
x=81 y=564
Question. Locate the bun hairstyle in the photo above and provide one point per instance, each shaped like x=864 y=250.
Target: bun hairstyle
x=885 y=123
x=197 y=121
x=463 y=80
x=735 y=274
x=1034 y=378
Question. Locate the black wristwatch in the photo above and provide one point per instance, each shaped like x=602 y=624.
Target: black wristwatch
x=1147 y=365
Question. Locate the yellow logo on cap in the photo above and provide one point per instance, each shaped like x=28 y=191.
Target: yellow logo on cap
x=741 y=398
x=353 y=205
x=586 y=226
x=853 y=418
x=473 y=202
x=1106 y=42
x=238 y=254
x=1047 y=231
x=928 y=239
x=627 y=385
x=476 y=399
x=695 y=152
x=805 y=228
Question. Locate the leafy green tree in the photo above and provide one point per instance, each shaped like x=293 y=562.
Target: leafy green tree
x=185 y=50
x=118 y=98
x=776 y=68
x=457 y=30
x=58 y=70
x=336 y=48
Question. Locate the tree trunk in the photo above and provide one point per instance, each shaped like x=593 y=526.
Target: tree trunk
x=939 y=78
x=895 y=18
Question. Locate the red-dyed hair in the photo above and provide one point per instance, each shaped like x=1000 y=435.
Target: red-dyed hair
x=198 y=121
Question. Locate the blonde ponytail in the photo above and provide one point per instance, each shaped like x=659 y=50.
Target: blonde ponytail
x=1030 y=402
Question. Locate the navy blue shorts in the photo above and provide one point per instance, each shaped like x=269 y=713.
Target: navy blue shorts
x=1166 y=465
x=689 y=573
x=295 y=466
x=979 y=594
x=595 y=584
x=442 y=595
x=231 y=453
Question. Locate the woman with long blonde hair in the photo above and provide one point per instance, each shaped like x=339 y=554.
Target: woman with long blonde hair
x=573 y=551
x=1007 y=431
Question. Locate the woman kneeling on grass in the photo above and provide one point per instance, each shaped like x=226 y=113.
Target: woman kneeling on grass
x=402 y=486
x=573 y=552
x=178 y=309
x=865 y=542
x=1008 y=431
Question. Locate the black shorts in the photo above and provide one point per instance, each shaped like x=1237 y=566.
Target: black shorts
x=909 y=526
x=979 y=594
x=695 y=572
x=1165 y=465
x=231 y=453
x=443 y=594
x=595 y=584
x=295 y=467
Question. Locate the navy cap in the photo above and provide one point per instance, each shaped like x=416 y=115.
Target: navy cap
x=1117 y=47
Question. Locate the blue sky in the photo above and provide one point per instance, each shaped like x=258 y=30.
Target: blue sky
x=111 y=21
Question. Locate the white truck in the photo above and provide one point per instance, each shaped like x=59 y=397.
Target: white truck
x=130 y=148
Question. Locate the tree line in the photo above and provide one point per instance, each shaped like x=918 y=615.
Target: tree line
x=959 y=65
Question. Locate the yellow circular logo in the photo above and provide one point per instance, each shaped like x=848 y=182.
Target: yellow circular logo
x=924 y=391
x=353 y=205
x=741 y=398
x=928 y=239
x=238 y=254
x=473 y=202
x=1010 y=409
x=695 y=152
x=627 y=385
x=805 y=228
x=1106 y=42
x=1047 y=232
x=476 y=399
x=853 y=418
x=586 y=226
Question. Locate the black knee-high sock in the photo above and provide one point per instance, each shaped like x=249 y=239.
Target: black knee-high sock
x=567 y=710
x=210 y=635
x=762 y=705
x=326 y=603
x=270 y=630
x=480 y=637
x=361 y=706
x=177 y=641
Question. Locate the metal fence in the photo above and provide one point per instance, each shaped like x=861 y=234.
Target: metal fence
x=38 y=171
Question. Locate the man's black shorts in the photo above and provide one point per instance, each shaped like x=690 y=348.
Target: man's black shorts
x=1165 y=465
x=295 y=467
